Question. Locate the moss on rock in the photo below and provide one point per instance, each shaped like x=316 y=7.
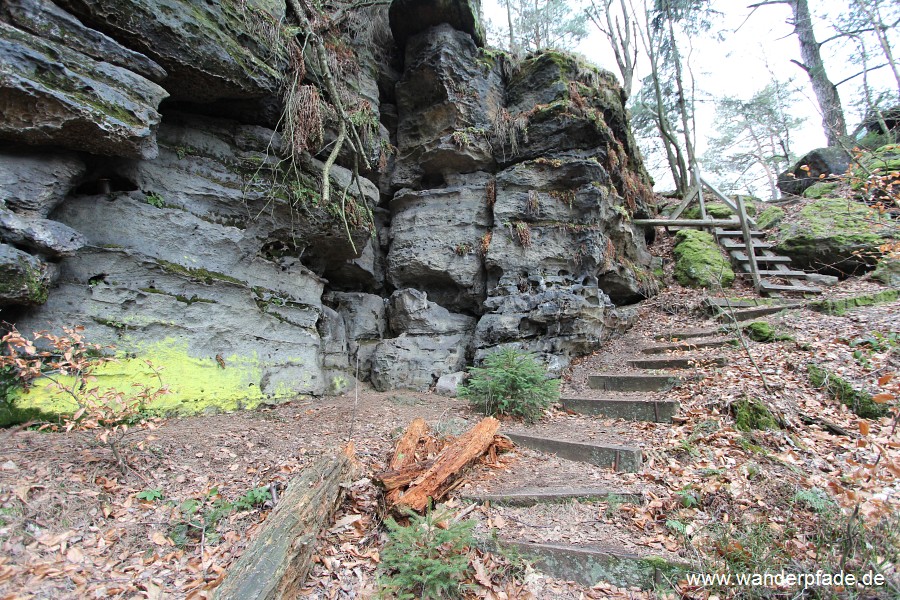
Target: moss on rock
x=760 y=331
x=887 y=271
x=859 y=402
x=823 y=189
x=699 y=261
x=842 y=305
x=753 y=414
x=769 y=218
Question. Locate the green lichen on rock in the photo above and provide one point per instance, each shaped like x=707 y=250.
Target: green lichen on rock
x=198 y=385
x=760 y=331
x=839 y=389
x=769 y=218
x=833 y=236
x=823 y=189
x=753 y=414
x=887 y=271
x=699 y=261
x=842 y=305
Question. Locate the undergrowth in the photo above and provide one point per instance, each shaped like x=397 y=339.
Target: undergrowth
x=511 y=382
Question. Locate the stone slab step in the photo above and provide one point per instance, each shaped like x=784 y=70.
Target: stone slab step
x=742 y=257
x=686 y=346
x=688 y=334
x=532 y=496
x=730 y=244
x=588 y=565
x=674 y=363
x=768 y=286
x=747 y=314
x=635 y=409
x=616 y=382
x=619 y=458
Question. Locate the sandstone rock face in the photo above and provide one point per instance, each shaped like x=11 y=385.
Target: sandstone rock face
x=53 y=95
x=501 y=211
x=819 y=162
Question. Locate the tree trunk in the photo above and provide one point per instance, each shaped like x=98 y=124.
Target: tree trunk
x=873 y=16
x=682 y=100
x=829 y=100
x=277 y=561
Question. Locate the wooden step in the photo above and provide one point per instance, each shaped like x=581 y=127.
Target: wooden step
x=768 y=286
x=620 y=458
x=534 y=495
x=686 y=346
x=741 y=257
x=737 y=233
x=674 y=363
x=730 y=244
x=773 y=273
x=635 y=409
x=588 y=565
x=617 y=382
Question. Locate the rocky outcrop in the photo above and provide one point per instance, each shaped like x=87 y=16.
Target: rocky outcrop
x=816 y=166
x=23 y=278
x=409 y=17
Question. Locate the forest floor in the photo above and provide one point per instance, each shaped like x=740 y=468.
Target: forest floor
x=73 y=526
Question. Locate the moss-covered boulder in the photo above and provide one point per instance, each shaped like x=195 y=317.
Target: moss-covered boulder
x=823 y=189
x=887 y=271
x=882 y=161
x=812 y=168
x=769 y=218
x=699 y=262
x=833 y=236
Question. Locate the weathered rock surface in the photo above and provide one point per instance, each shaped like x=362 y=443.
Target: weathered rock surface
x=53 y=95
x=409 y=17
x=410 y=312
x=208 y=49
x=820 y=162
x=35 y=182
x=447 y=385
x=23 y=278
x=46 y=237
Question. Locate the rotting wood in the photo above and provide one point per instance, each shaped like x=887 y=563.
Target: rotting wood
x=277 y=561
x=405 y=453
x=393 y=479
x=438 y=479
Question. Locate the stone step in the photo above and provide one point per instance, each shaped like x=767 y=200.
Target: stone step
x=674 y=363
x=686 y=346
x=532 y=496
x=588 y=565
x=748 y=314
x=634 y=409
x=619 y=458
x=687 y=334
x=617 y=382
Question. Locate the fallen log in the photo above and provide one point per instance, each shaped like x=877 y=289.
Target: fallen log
x=277 y=561
x=393 y=479
x=437 y=480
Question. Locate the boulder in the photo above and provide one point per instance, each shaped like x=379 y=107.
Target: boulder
x=436 y=236
x=833 y=236
x=363 y=314
x=35 y=182
x=416 y=362
x=699 y=261
x=45 y=19
x=807 y=171
x=43 y=236
x=333 y=334
x=887 y=271
x=53 y=95
x=211 y=50
x=447 y=385
x=410 y=312
x=23 y=278
x=409 y=17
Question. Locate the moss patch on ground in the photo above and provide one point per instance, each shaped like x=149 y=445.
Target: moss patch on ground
x=842 y=305
x=699 y=261
x=197 y=385
x=753 y=414
x=760 y=331
x=839 y=389
x=820 y=190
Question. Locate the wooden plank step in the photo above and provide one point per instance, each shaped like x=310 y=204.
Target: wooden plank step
x=588 y=565
x=737 y=233
x=632 y=383
x=767 y=286
x=748 y=314
x=730 y=244
x=532 y=496
x=742 y=257
x=635 y=409
x=773 y=272
x=686 y=334
x=620 y=458
x=674 y=363
x=685 y=222
x=686 y=346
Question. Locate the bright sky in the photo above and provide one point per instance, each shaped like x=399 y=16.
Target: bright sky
x=737 y=65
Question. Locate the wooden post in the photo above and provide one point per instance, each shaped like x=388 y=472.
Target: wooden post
x=748 y=243
x=277 y=561
x=684 y=204
x=699 y=181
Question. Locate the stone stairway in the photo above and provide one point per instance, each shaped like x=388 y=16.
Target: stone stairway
x=587 y=549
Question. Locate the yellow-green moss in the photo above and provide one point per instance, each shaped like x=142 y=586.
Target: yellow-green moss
x=769 y=218
x=821 y=189
x=197 y=384
x=699 y=262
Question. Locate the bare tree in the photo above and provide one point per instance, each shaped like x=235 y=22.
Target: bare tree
x=619 y=30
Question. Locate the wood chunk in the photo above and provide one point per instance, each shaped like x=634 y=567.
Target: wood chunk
x=277 y=561
x=392 y=479
x=438 y=479
x=405 y=453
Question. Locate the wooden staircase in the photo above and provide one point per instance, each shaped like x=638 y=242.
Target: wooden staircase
x=745 y=245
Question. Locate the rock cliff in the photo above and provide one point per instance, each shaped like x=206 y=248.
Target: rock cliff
x=146 y=193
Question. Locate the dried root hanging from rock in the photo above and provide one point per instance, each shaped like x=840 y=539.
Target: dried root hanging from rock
x=425 y=468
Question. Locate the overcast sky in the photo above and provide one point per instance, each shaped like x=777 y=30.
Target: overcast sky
x=743 y=61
